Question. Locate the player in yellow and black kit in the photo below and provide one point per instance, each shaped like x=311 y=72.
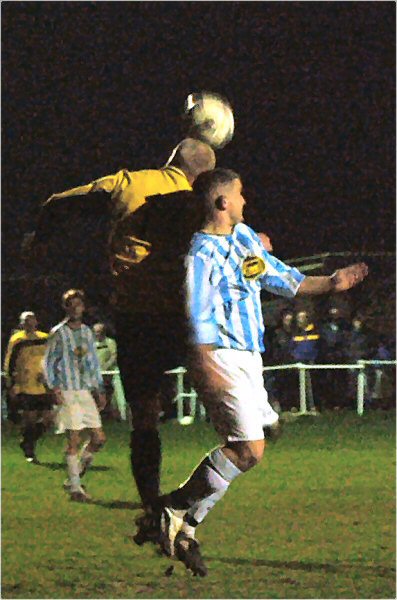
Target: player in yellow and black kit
x=24 y=378
x=155 y=216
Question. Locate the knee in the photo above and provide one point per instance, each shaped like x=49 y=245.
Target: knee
x=73 y=446
x=98 y=441
x=249 y=454
x=254 y=454
x=273 y=432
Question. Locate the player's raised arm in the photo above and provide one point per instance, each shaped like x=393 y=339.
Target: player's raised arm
x=340 y=281
x=110 y=184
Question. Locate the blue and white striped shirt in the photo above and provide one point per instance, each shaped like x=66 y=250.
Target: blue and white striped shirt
x=225 y=274
x=71 y=361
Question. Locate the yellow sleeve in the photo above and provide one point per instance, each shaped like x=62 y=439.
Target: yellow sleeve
x=112 y=184
x=6 y=366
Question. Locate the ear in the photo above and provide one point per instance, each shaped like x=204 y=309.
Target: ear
x=220 y=203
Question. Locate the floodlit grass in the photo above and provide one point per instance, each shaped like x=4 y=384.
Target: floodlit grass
x=314 y=520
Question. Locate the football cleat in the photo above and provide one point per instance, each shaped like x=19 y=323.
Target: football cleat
x=170 y=523
x=80 y=495
x=187 y=550
x=28 y=452
x=148 y=529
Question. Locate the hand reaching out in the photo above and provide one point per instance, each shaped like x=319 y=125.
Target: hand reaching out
x=344 y=279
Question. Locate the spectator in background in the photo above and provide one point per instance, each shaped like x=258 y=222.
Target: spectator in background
x=357 y=341
x=284 y=381
x=332 y=351
x=107 y=355
x=333 y=337
x=282 y=341
x=357 y=348
x=380 y=377
x=305 y=349
x=25 y=384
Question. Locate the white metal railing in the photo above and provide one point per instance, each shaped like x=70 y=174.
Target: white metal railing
x=361 y=365
x=361 y=378
x=181 y=395
x=118 y=392
x=197 y=407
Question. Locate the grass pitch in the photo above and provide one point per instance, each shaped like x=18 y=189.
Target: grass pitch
x=314 y=520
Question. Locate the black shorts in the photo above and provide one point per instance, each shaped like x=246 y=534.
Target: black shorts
x=35 y=401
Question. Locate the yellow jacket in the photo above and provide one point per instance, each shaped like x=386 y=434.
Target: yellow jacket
x=23 y=362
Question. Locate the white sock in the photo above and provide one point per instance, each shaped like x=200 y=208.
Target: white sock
x=207 y=485
x=73 y=471
x=86 y=459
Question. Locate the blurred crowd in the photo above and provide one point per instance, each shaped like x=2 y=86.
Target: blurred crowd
x=300 y=338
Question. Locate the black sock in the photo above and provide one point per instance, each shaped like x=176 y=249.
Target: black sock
x=145 y=464
x=39 y=430
x=28 y=439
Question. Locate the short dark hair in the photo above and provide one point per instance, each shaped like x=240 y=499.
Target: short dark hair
x=70 y=294
x=207 y=181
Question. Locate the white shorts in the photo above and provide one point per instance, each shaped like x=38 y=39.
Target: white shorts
x=78 y=411
x=241 y=412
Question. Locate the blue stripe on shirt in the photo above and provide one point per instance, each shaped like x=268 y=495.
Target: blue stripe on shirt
x=230 y=301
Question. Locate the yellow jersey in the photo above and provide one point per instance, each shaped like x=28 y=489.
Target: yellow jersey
x=154 y=218
x=131 y=189
x=23 y=363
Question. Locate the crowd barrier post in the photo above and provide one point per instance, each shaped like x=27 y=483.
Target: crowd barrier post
x=302 y=388
x=118 y=392
x=361 y=381
x=181 y=395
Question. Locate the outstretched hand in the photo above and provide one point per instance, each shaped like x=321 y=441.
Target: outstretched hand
x=344 y=279
x=50 y=199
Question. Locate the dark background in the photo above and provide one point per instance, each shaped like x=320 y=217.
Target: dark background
x=89 y=88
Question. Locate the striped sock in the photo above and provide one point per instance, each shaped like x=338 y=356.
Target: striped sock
x=205 y=487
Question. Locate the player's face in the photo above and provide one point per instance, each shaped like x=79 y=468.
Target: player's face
x=99 y=332
x=235 y=201
x=30 y=323
x=301 y=319
x=75 y=308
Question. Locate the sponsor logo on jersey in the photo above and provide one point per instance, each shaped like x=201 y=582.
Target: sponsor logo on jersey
x=253 y=267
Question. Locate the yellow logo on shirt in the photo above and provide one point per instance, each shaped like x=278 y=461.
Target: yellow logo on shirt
x=80 y=351
x=253 y=267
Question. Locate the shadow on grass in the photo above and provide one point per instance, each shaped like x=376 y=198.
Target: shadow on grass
x=54 y=466
x=379 y=570
x=116 y=504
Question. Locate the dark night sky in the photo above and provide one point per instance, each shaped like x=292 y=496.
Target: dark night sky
x=89 y=88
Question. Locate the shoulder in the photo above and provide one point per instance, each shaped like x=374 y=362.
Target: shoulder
x=41 y=334
x=17 y=337
x=203 y=246
x=244 y=229
x=163 y=181
x=87 y=330
x=246 y=235
x=56 y=330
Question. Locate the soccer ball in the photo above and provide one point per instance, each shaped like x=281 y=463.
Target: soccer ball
x=211 y=118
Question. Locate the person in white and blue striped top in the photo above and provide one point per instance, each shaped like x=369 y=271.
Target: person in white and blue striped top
x=72 y=372
x=225 y=274
x=227 y=266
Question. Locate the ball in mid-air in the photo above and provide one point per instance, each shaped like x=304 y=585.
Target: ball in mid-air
x=211 y=118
